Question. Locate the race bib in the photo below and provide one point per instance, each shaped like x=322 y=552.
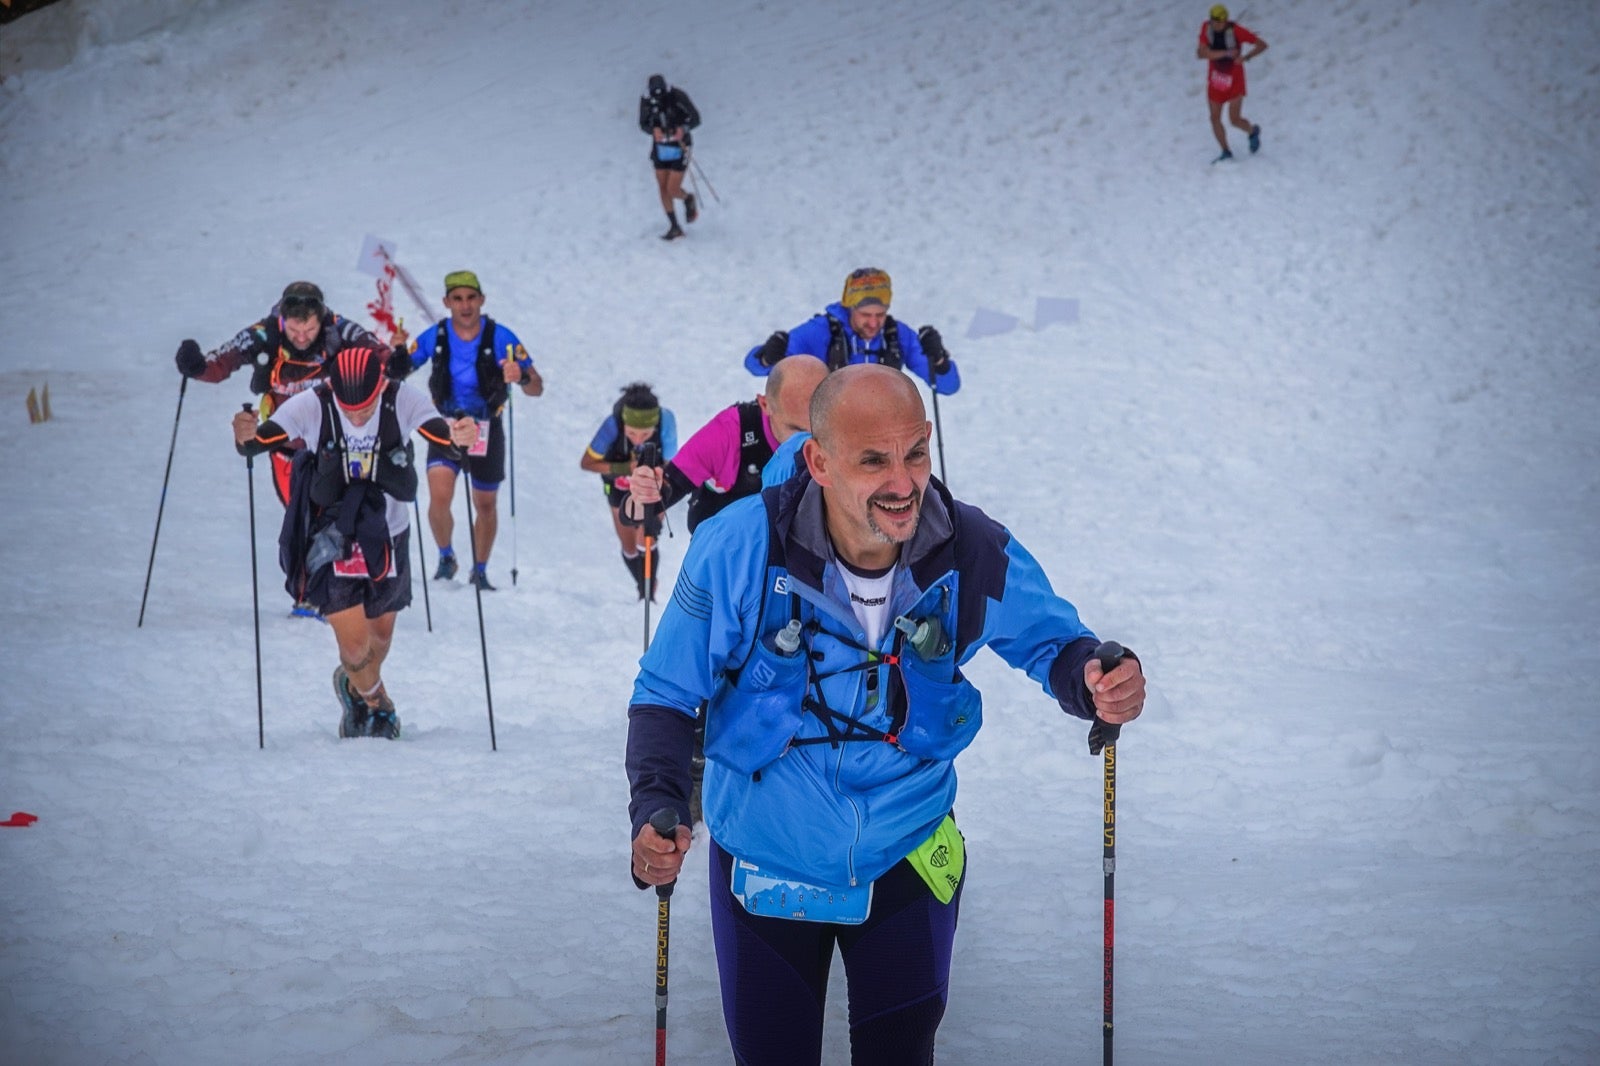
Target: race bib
x=482 y=447
x=358 y=465
x=668 y=153
x=781 y=896
x=1221 y=81
x=356 y=565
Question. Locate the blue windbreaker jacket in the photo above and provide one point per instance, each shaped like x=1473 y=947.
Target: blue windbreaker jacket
x=781 y=787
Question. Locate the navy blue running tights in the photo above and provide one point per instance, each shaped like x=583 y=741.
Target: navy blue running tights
x=774 y=973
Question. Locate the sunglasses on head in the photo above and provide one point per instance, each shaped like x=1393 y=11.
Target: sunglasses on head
x=300 y=307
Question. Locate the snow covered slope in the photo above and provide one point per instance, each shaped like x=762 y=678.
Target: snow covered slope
x=1322 y=446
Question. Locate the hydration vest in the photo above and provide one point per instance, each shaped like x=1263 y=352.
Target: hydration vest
x=671 y=111
x=393 y=462
x=914 y=689
x=839 y=345
x=754 y=451
x=491 y=379
x=279 y=368
x=1224 y=40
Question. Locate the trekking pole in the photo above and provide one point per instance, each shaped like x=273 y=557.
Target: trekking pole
x=930 y=336
x=483 y=644
x=183 y=384
x=649 y=575
x=511 y=447
x=1104 y=735
x=695 y=163
x=422 y=557
x=255 y=589
x=664 y=822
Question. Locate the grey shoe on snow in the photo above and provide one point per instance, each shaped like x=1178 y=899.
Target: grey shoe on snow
x=355 y=721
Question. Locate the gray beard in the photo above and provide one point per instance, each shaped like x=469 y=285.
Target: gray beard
x=872 y=517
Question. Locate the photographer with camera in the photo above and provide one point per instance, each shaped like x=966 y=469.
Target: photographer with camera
x=637 y=420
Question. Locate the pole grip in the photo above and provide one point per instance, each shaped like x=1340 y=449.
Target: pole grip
x=249 y=460
x=665 y=823
x=1103 y=733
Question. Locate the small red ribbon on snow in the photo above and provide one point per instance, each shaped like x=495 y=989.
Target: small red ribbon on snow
x=19 y=820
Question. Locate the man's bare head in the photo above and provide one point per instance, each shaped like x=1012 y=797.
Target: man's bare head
x=866 y=389
x=788 y=396
x=869 y=453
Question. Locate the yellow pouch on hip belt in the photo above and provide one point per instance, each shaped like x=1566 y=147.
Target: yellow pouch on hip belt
x=941 y=860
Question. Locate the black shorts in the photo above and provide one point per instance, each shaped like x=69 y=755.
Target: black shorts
x=486 y=470
x=330 y=593
x=680 y=164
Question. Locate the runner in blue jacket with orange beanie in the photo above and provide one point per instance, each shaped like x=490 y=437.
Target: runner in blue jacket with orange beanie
x=859 y=329
x=825 y=623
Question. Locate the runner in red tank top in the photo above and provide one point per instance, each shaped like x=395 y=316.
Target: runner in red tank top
x=1221 y=42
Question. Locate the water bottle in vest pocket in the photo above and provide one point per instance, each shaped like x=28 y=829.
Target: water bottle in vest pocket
x=751 y=720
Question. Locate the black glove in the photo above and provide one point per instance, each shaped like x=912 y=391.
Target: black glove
x=399 y=364
x=776 y=348
x=933 y=348
x=190 y=359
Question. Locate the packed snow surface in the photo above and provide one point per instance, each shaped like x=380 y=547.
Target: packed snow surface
x=1321 y=445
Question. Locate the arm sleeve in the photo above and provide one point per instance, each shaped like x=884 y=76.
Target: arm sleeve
x=660 y=747
x=677 y=486
x=436 y=431
x=297 y=418
x=644 y=115
x=1066 y=677
x=269 y=435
